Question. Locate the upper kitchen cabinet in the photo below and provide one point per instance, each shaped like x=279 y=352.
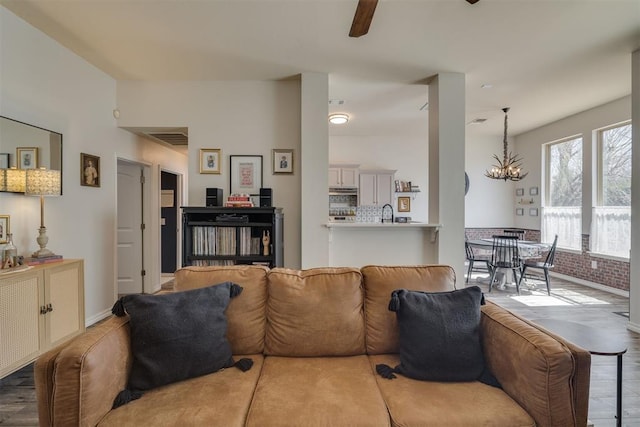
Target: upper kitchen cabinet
x=343 y=176
x=376 y=187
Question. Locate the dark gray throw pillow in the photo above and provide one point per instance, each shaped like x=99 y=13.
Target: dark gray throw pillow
x=439 y=334
x=176 y=336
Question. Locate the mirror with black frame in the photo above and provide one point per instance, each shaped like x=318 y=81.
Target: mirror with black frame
x=25 y=146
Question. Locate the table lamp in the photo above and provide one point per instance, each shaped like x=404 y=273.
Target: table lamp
x=14 y=180
x=42 y=182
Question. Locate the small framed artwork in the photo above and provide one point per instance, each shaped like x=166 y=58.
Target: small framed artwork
x=89 y=170
x=27 y=157
x=533 y=211
x=246 y=174
x=519 y=191
x=404 y=204
x=4 y=228
x=282 y=161
x=533 y=191
x=210 y=160
x=519 y=211
x=5 y=161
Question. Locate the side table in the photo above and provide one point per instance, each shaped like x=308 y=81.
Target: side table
x=595 y=342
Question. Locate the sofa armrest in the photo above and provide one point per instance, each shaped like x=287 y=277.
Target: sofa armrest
x=546 y=375
x=77 y=382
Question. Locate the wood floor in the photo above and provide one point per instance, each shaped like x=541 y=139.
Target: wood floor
x=568 y=301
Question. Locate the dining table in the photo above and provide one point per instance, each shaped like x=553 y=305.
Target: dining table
x=526 y=249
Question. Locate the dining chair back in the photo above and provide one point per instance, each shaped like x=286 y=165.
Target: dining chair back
x=545 y=266
x=472 y=259
x=505 y=255
x=518 y=232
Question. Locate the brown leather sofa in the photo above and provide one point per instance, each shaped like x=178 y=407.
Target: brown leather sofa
x=315 y=337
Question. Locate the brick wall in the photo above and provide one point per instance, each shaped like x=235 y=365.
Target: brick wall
x=612 y=273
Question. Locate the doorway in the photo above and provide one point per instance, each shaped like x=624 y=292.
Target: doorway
x=170 y=199
x=130 y=227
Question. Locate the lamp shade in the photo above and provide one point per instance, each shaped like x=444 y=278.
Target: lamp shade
x=14 y=180
x=42 y=182
x=3 y=180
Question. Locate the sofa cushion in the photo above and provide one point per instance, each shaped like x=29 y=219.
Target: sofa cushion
x=439 y=334
x=221 y=399
x=177 y=336
x=428 y=403
x=316 y=312
x=245 y=315
x=328 y=391
x=379 y=282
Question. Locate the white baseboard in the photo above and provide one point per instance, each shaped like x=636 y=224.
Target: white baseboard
x=633 y=327
x=589 y=284
x=96 y=318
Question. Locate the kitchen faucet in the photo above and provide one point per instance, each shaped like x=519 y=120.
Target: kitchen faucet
x=382 y=214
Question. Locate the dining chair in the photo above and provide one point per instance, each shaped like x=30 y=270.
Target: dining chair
x=518 y=232
x=472 y=258
x=545 y=266
x=505 y=255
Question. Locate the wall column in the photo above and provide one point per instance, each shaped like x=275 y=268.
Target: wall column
x=314 y=158
x=634 y=267
x=446 y=168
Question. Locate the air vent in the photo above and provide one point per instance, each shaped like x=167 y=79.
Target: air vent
x=173 y=138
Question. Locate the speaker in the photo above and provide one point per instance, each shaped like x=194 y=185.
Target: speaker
x=214 y=197
x=265 y=197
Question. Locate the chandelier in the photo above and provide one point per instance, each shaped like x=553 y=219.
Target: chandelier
x=509 y=168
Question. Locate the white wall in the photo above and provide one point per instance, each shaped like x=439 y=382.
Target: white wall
x=489 y=202
x=408 y=155
x=44 y=84
x=238 y=117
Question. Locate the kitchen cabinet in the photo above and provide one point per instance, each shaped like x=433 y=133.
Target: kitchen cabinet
x=376 y=187
x=343 y=176
x=40 y=308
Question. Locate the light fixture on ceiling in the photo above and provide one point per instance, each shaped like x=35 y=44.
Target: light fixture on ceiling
x=338 y=119
x=509 y=168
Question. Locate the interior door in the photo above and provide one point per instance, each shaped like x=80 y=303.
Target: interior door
x=169 y=222
x=130 y=228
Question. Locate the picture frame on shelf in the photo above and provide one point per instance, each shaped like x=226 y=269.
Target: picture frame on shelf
x=404 y=204
x=27 y=157
x=245 y=175
x=5 y=161
x=519 y=211
x=533 y=191
x=210 y=160
x=519 y=191
x=282 y=161
x=4 y=228
x=89 y=170
x=533 y=211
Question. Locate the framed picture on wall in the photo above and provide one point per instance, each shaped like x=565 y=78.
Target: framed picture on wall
x=282 y=161
x=519 y=211
x=533 y=191
x=27 y=157
x=210 y=160
x=4 y=228
x=533 y=211
x=89 y=170
x=519 y=191
x=245 y=174
x=404 y=204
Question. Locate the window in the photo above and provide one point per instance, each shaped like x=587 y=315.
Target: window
x=562 y=212
x=611 y=220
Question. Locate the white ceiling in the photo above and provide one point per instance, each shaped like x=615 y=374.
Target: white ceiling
x=546 y=59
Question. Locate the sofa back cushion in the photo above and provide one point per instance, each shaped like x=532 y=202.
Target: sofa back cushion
x=245 y=313
x=379 y=281
x=315 y=312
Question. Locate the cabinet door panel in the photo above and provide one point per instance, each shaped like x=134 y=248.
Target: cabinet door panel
x=384 y=189
x=367 y=190
x=19 y=322
x=61 y=291
x=349 y=177
x=334 y=177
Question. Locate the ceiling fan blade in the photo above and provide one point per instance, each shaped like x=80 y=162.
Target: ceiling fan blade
x=362 y=18
x=473 y=1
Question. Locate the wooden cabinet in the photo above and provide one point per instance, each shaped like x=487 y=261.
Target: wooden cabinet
x=343 y=176
x=229 y=236
x=40 y=308
x=376 y=187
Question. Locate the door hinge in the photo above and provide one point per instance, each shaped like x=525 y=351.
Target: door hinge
x=142 y=180
x=143 y=273
x=142 y=227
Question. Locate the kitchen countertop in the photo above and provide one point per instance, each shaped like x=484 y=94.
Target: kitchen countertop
x=381 y=225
